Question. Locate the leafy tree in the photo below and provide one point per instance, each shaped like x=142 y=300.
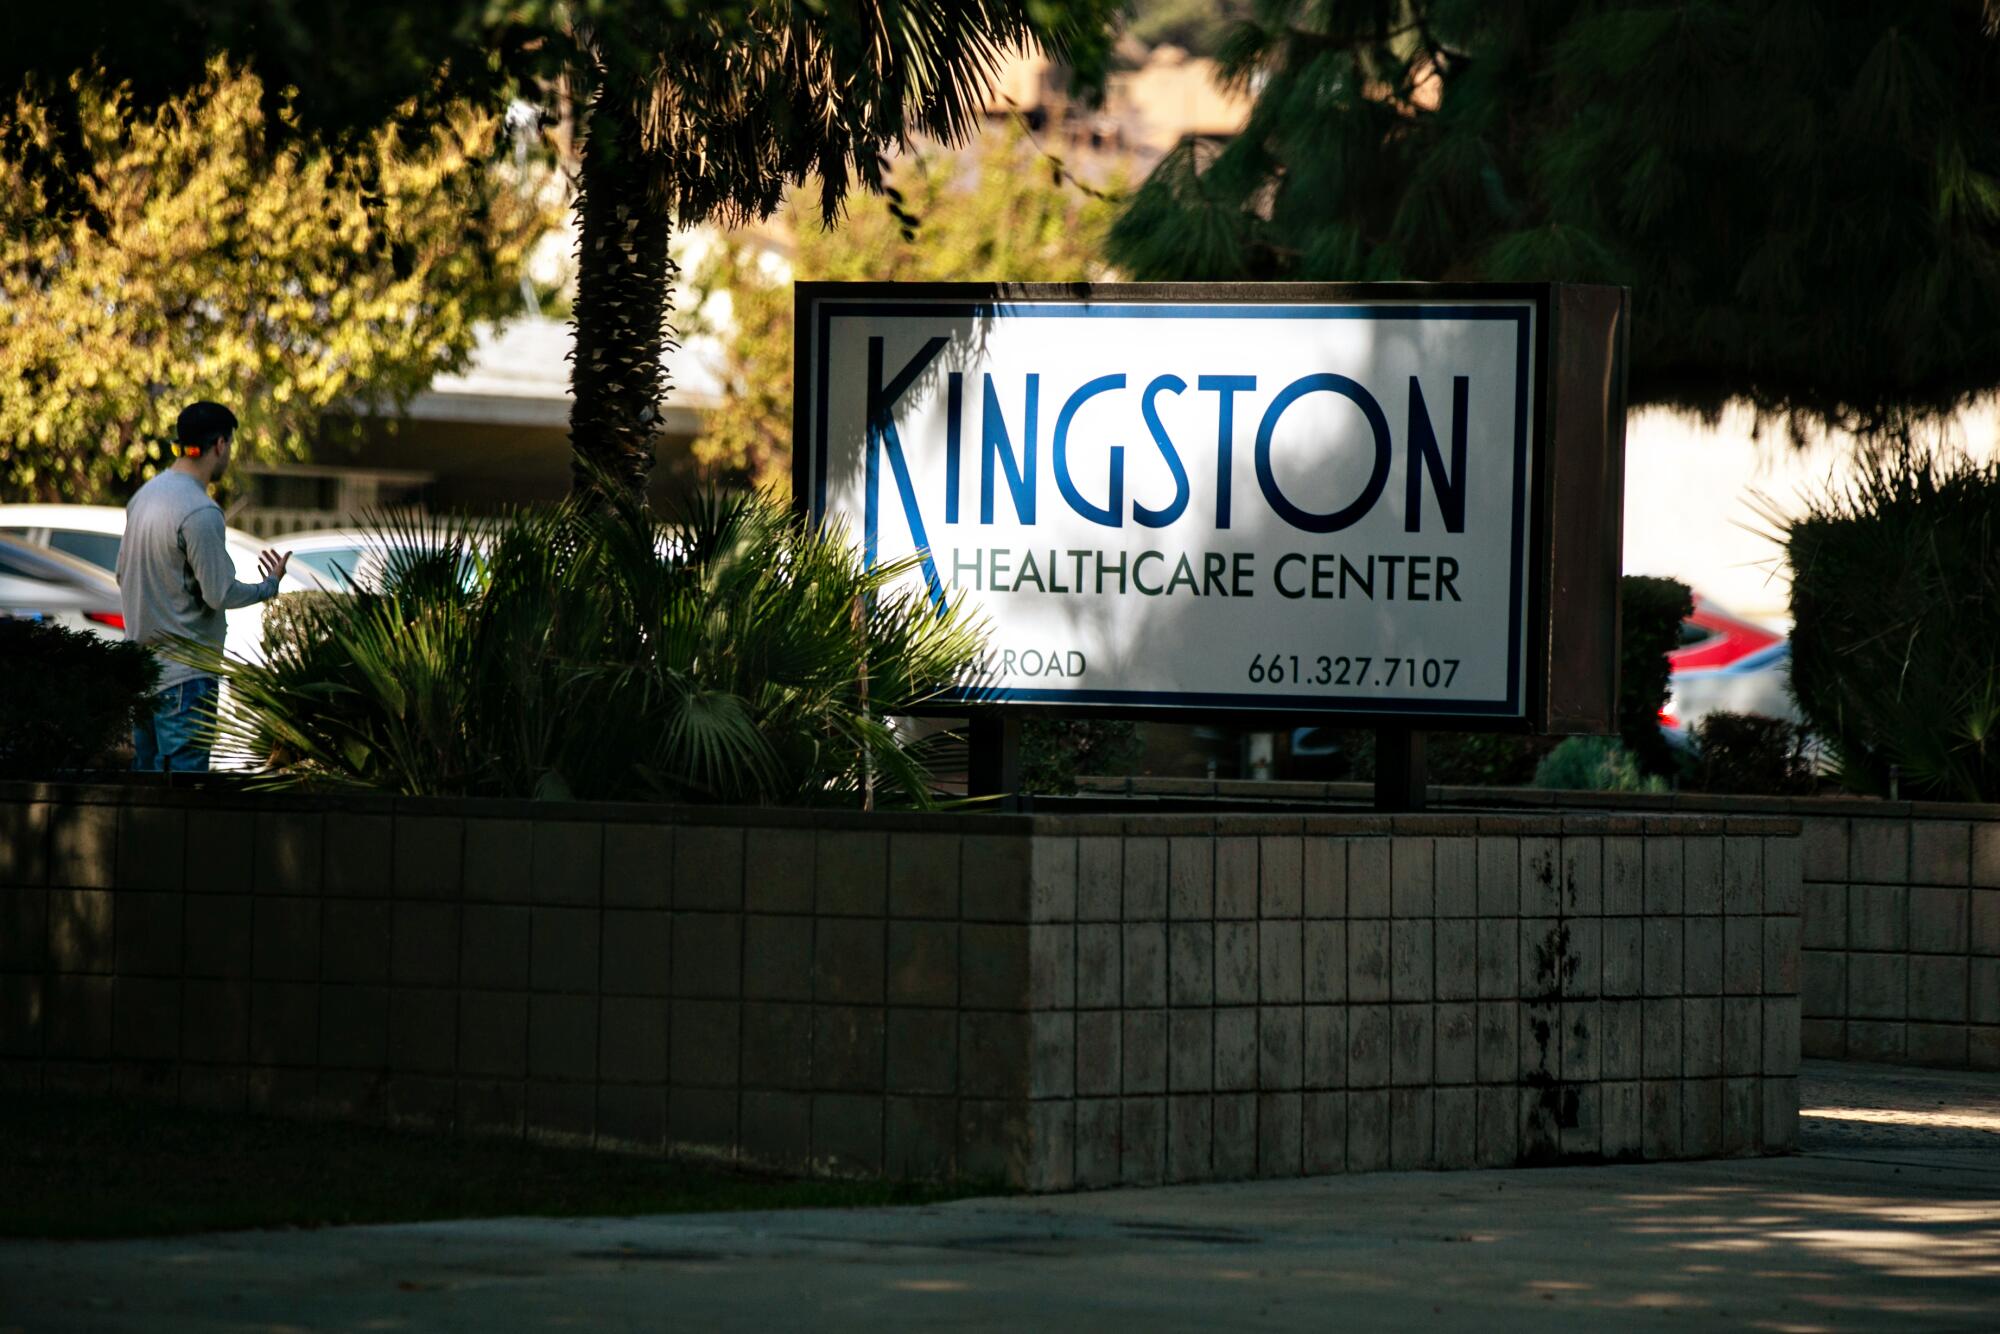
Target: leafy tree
x=1197 y=26
x=1003 y=216
x=687 y=111
x=1804 y=198
x=220 y=261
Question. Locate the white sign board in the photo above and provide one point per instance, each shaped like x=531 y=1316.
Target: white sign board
x=1212 y=505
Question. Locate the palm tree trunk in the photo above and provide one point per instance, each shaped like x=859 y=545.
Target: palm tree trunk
x=624 y=290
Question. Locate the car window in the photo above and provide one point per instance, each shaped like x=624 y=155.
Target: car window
x=335 y=565
x=1692 y=634
x=100 y=549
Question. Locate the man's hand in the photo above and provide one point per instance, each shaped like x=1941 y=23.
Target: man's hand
x=271 y=565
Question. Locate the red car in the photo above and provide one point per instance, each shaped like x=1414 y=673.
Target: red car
x=1725 y=663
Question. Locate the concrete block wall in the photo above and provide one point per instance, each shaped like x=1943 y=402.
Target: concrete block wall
x=1271 y=996
x=825 y=994
x=1049 y=1001
x=1900 y=906
x=1902 y=935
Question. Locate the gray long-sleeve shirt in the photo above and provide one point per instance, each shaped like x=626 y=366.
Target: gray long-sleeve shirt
x=174 y=572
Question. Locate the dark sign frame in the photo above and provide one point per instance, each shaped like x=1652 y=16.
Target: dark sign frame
x=1575 y=523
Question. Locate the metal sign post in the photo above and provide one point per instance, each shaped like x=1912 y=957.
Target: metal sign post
x=994 y=762
x=1399 y=769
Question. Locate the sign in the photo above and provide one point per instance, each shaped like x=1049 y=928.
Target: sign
x=1257 y=499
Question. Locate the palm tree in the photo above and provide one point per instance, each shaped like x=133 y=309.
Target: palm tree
x=713 y=115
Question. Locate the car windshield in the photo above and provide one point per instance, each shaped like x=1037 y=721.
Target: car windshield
x=369 y=566
x=100 y=549
x=335 y=564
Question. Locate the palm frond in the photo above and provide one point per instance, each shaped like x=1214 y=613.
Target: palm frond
x=724 y=654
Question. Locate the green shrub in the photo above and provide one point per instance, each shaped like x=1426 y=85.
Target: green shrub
x=1055 y=751
x=1650 y=613
x=1484 y=759
x=1896 y=626
x=1751 y=754
x=732 y=656
x=1594 y=764
x=69 y=699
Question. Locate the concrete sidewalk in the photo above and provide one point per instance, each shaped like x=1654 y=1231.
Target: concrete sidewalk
x=1888 y=1218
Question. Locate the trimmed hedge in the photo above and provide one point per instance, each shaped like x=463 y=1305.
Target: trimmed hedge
x=1896 y=626
x=69 y=697
x=1751 y=754
x=1650 y=614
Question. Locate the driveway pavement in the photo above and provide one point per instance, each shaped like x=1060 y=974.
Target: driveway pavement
x=1889 y=1218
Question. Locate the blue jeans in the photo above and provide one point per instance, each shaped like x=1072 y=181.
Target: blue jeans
x=168 y=741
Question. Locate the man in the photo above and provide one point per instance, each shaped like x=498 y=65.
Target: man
x=176 y=580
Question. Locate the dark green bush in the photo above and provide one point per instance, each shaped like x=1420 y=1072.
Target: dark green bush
x=1650 y=613
x=1896 y=626
x=1463 y=759
x=731 y=656
x=1750 y=754
x=1055 y=751
x=1484 y=759
x=67 y=698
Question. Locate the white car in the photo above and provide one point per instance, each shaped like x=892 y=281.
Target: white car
x=342 y=558
x=37 y=584
x=92 y=533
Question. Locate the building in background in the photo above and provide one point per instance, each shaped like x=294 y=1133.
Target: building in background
x=493 y=436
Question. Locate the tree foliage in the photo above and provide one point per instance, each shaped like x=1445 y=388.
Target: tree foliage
x=1004 y=214
x=721 y=114
x=1804 y=198
x=217 y=254
x=1198 y=27
x=687 y=110
x=1896 y=626
x=736 y=100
